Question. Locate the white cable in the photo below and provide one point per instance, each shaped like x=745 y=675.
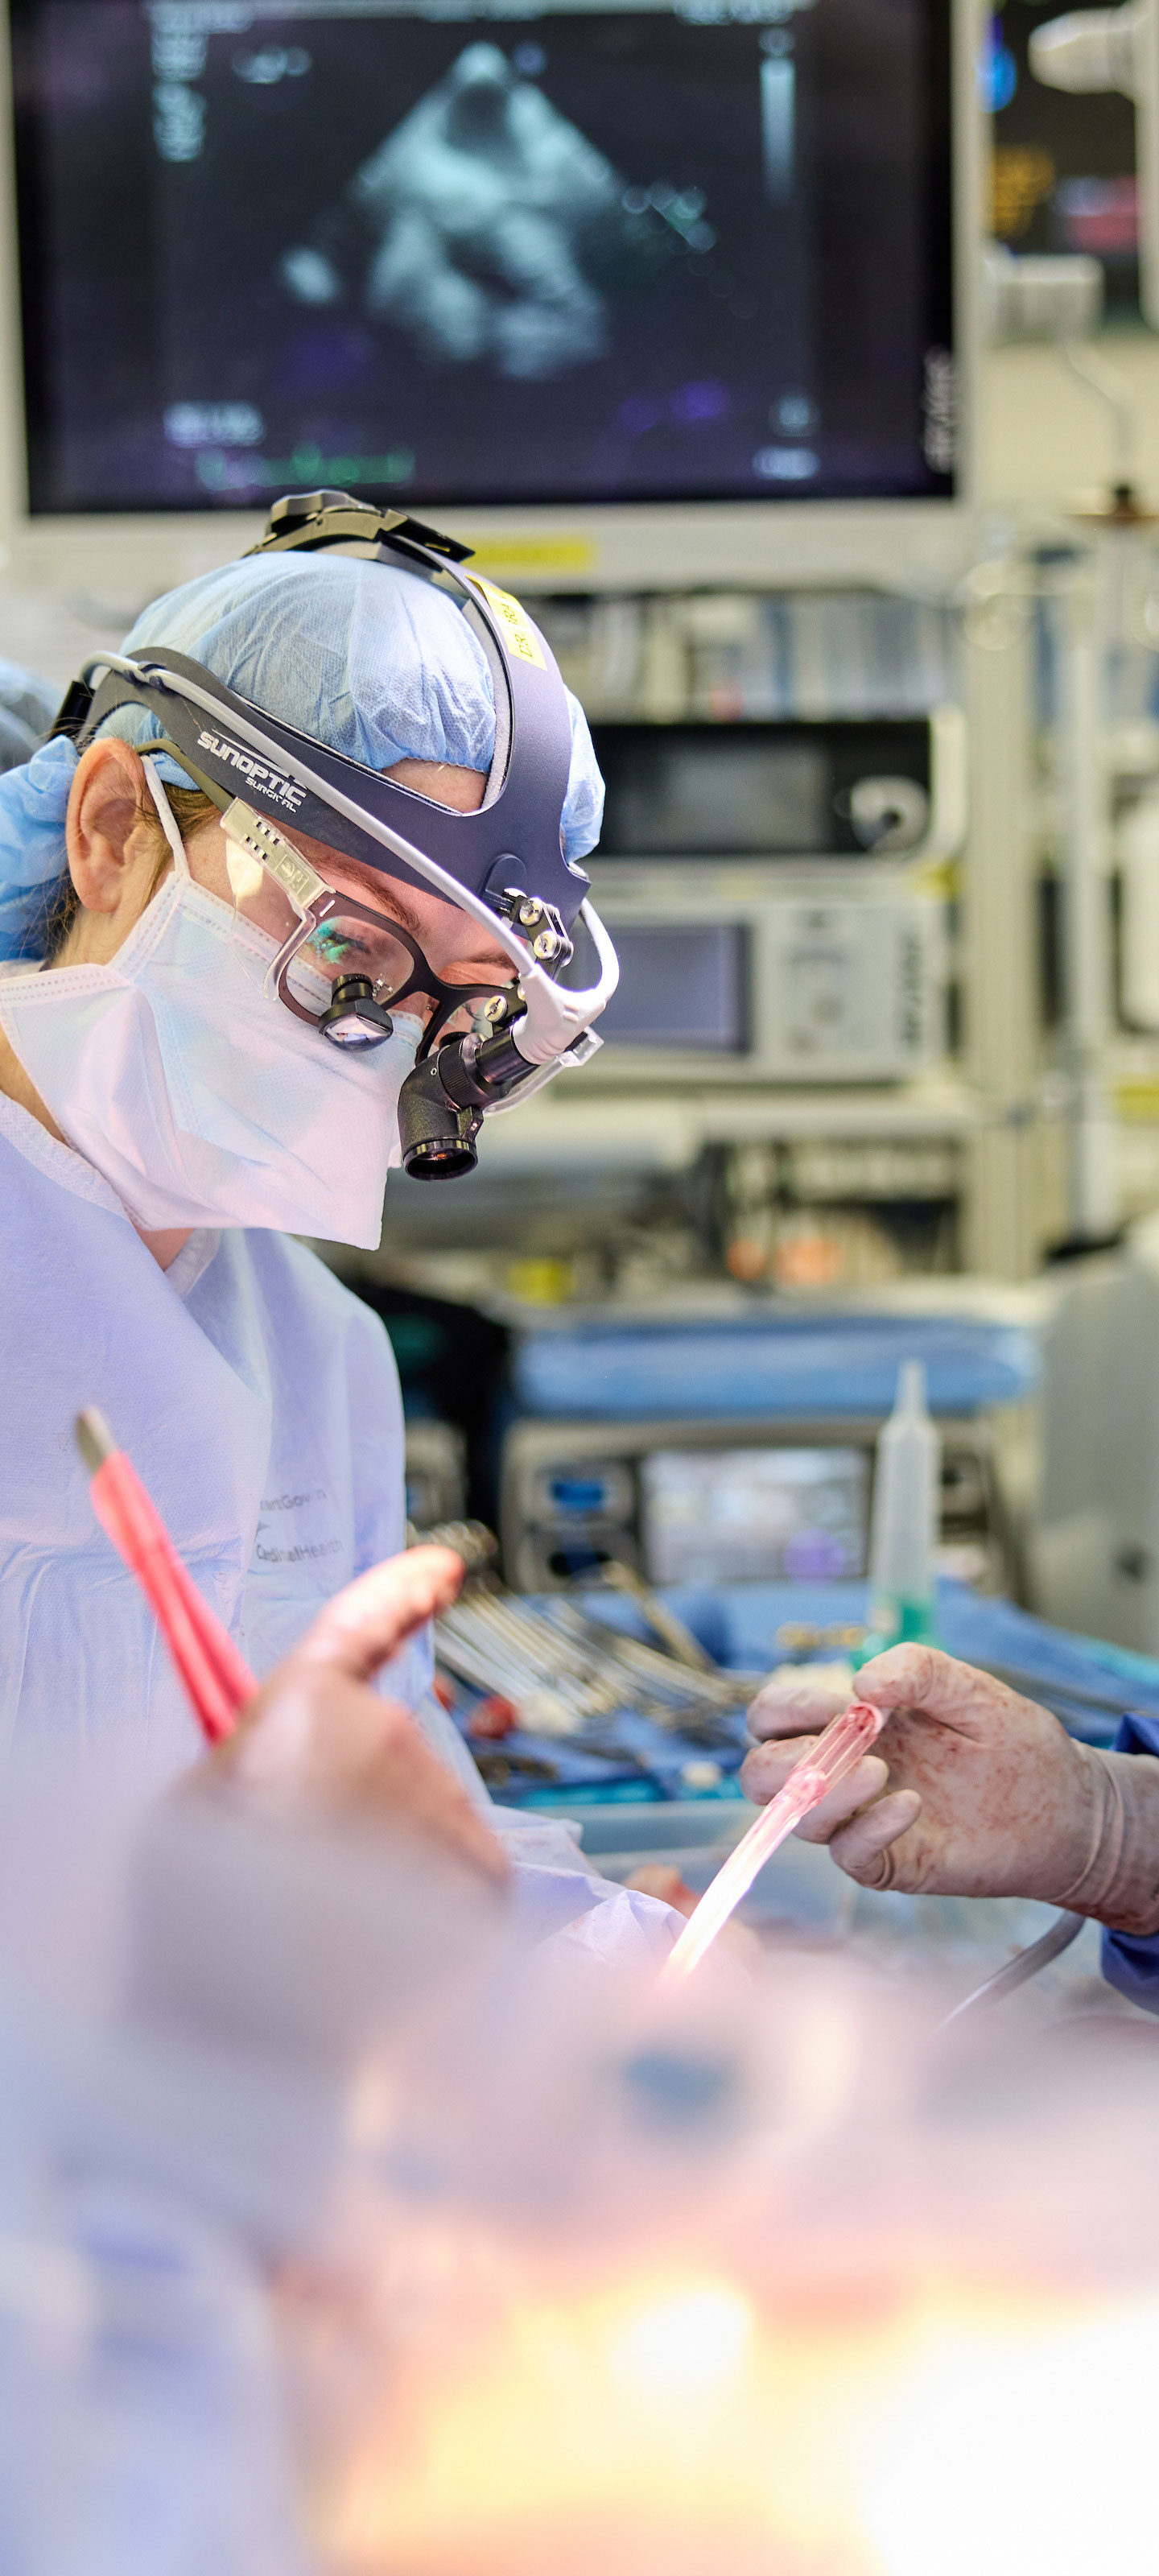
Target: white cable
x=1024 y=1965
x=165 y=816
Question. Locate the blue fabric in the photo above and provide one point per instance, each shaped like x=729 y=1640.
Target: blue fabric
x=33 y=804
x=1080 y=1676
x=1130 y=1966
x=768 y=1364
x=738 y=1624
x=365 y=658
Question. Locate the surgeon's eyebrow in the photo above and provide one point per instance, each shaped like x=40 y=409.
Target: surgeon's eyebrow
x=396 y=908
x=379 y=891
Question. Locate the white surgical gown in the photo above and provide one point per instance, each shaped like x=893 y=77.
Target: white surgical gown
x=258 y=1401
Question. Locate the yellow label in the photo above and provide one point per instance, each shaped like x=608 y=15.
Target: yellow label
x=535 y=554
x=1137 y=1098
x=520 y=634
x=541 y=1282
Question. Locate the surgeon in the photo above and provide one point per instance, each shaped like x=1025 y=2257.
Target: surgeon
x=306 y=853
x=974 y=1791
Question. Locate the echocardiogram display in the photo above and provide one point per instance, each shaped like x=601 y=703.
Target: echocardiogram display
x=436 y=255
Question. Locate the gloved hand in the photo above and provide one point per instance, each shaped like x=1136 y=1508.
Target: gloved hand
x=316 y=1740
x=971 y=1791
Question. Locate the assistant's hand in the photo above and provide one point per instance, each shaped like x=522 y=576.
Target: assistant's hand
x=971 y=1791
x=315 y=1739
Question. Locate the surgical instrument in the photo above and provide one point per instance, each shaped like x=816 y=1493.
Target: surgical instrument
x=216 y=1679
x=837 y=1751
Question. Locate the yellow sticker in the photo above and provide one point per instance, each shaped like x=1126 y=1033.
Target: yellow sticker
x=519 y=633
x=1137 y=1099
x=534 y=554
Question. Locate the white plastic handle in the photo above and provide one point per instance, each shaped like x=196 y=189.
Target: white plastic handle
x=555 y=1017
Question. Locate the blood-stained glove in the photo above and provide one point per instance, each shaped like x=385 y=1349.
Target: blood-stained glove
x=971 y=1790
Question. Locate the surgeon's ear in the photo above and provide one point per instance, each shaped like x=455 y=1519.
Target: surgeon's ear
x=111 y=854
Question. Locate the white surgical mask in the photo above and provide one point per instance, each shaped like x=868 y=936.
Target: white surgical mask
x=196 y=1094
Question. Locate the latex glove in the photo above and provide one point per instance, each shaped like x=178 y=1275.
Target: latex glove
x=315 y=1739
x=971 y=1791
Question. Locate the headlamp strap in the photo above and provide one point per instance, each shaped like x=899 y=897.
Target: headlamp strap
x=73 y=713
x=303 y=522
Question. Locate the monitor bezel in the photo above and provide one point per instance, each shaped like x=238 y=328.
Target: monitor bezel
x=582 y=547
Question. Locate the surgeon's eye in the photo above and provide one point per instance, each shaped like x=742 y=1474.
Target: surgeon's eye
x=352 y=948
x=345 y=945
x=334 y=946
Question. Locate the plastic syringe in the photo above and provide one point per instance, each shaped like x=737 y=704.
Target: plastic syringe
x=837 y=1751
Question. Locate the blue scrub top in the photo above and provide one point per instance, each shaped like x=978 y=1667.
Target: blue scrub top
x=1132 y=1967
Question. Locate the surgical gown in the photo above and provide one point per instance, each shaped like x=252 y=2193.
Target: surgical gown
x=259 y=1403
x=257 y=1399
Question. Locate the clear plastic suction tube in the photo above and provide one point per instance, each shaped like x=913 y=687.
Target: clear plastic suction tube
x=837 y=1751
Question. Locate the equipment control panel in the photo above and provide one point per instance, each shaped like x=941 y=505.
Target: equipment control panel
x=763 y=885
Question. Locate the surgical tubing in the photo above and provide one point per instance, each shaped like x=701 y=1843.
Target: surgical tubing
x=837 y=1751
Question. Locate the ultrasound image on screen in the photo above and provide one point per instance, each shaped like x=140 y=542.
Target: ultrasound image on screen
x=592 y=253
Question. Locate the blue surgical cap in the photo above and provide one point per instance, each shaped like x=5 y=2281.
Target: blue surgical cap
x=366 y=658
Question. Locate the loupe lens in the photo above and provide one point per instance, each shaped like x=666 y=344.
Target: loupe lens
x=349 y=943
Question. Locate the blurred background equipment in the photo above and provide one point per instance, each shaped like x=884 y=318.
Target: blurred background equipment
x=1099 y=50
x=752 y=874
x=1094 y=1548
x=739 y=1443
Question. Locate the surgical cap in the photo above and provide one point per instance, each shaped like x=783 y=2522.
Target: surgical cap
x=366 y=658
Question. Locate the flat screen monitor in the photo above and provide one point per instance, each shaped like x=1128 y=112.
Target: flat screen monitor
x=683 y=985
x=1063 y=165
x=721 y=1515
x=749 y=789
x=564 y=254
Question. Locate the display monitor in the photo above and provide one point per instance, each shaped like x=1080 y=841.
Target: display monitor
x=765 y=790
x=682 y=984
x=731 y=1515
x=447 y=256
